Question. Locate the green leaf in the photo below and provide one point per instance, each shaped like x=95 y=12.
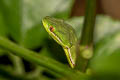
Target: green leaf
x=3 y=29
x=106 y=57
x=107 y=47
x=105 y=26
x=34 y=37
x=12 y=16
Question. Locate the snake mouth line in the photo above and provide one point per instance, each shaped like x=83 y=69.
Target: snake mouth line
x=70 y=56
x=59 y=41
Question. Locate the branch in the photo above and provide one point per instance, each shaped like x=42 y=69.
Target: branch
x=41 y=60
x=86 y=43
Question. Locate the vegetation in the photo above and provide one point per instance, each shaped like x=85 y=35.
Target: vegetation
x=27 y=52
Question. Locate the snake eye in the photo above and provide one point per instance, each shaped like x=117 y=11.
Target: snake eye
x=52 y=28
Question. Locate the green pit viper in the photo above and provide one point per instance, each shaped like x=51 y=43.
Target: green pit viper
x=64 y=35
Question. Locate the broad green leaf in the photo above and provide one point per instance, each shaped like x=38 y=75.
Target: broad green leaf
x=105 y=61
x=106 y=47
x=23 y=18
x=3 y=29
x=105 y=26
x=34 y=37
x=12 y=16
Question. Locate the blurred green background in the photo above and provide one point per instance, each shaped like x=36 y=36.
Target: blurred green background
x=20 y=22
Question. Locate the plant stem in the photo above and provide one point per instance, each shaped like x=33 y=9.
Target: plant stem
x=86 y=47
x=89 y=22
x=38 y=59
